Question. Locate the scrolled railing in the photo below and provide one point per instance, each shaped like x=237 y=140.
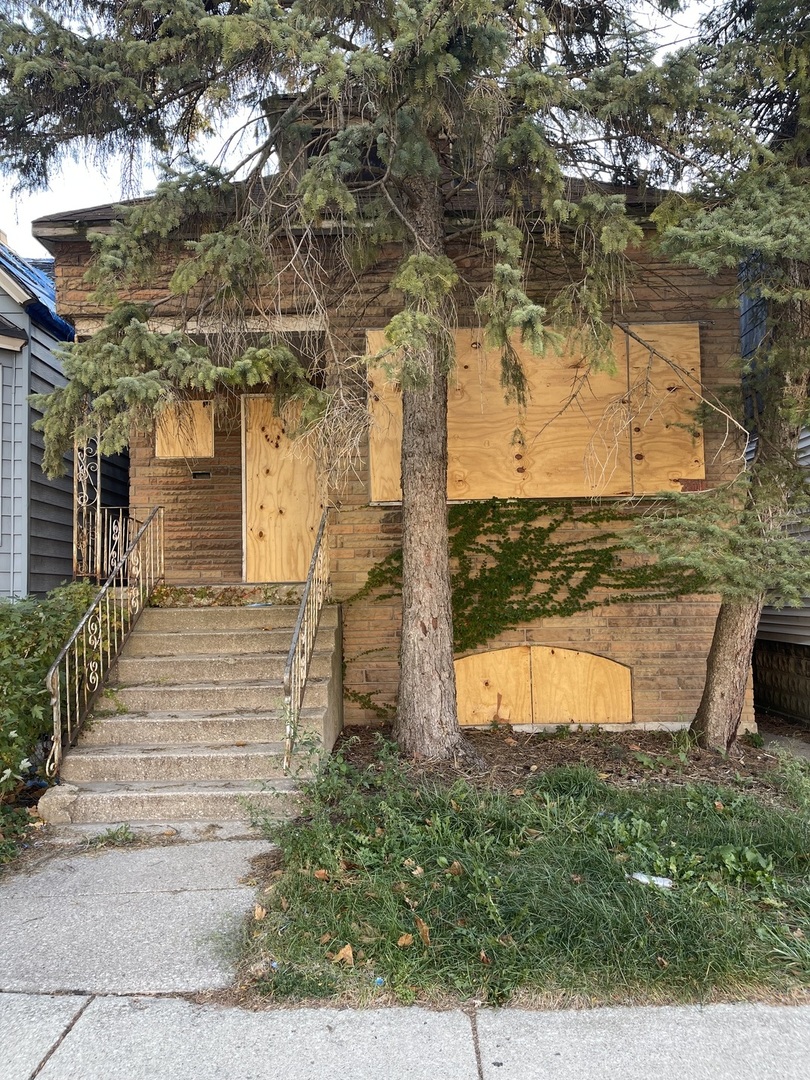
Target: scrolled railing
x=296 y=669
x=78 y=672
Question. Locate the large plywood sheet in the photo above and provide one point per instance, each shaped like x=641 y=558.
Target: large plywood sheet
x=385 y=434
x=495 y=687
x=663 y=399
x=571 y=440
x=282 y=507
x=564 y=443
x=186 y=430
x=570 y=687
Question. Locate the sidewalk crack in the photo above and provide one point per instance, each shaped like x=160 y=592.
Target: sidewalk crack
x=61 y=1038
x=472 y=1014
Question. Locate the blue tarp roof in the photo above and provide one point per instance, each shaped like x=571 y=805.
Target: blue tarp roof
x=42 y=306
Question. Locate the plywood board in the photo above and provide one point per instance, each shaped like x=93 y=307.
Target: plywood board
x=495 y=687
x=569 y=443
x=663 y=398
x=571 y=440
x=186 y=430
x=385 y=433
x=282 y=508
x=570 y=687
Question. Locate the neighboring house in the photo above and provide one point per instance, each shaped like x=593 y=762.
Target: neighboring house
x=781 y=662
x=36 y=514
x=242 y=506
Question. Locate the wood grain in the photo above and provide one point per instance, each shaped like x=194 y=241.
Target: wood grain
x=186 y=430
x=663 y=400
x=282 y=507
x=495 y=687
x=571 y=687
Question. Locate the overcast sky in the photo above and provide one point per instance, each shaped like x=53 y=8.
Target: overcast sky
x=82 y=184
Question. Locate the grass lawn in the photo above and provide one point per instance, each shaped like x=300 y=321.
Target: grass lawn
x=398 y=884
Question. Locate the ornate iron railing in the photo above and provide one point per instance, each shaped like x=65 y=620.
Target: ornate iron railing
x=78 y=672
x=296 y=669
x=102 y=535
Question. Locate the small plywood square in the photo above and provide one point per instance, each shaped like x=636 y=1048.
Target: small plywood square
x=570 y=687
x=186 y=430
x=495 y=687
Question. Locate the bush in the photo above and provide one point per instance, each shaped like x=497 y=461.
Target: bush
x=32 y=632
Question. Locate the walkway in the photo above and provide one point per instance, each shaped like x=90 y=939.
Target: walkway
x=97 y=948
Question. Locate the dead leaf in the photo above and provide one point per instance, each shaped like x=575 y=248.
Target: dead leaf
x=418 y=871
x=577 y=879
x=325 y=938
x=455 y=869
x=321 y=875
x=259 y=912
x=603 y=775
x=344 y=956
x=718 y=805
x=662 y=963
x=379 y=832
x=424 y=931
x=405 y=940
x=484 y=958
x=169 y=832
x=532 y=834
x=532 y=768
x=454 y=805
x=510 y=741
x=518 y=791
x=285 y=903
x=633 y=746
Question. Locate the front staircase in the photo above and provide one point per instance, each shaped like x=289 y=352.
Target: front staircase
x=191 y=724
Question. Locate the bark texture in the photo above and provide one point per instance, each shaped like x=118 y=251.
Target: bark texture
x=727 y=667
x=427 y=720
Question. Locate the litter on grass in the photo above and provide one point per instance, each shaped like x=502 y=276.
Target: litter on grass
x=651 y=879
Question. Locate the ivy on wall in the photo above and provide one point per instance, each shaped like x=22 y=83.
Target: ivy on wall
x=517 y=561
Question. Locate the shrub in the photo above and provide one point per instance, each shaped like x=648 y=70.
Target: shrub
x=32 y=631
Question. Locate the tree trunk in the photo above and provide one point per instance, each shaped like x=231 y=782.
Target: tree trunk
x=727 y=667
x=427 y=721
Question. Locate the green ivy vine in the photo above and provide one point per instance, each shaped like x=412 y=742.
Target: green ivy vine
x=517 y=561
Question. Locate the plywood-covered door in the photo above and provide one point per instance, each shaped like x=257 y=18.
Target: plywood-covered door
x=282 y=509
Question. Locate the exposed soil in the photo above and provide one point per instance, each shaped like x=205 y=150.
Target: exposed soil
x=623 y=758
x=778 y=725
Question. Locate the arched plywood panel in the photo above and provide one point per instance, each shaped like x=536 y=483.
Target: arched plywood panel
x=495 y=687
x=571 y=687
x=540 y=684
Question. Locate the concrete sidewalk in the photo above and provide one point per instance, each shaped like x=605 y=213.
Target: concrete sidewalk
x=146 y=1038
x=96 y=946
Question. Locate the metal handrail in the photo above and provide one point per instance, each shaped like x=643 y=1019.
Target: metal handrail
x=78 y=672
x=303 y=642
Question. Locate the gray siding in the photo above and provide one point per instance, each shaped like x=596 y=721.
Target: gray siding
x=13 y=458
x=50 y=512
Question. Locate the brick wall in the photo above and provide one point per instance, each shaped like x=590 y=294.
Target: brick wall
x=664 y=644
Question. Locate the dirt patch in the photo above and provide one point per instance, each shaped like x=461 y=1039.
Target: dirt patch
x=788 y=729
x=622 y=758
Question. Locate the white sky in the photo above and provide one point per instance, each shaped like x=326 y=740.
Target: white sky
x=83 y=184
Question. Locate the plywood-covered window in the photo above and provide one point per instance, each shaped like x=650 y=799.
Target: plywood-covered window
x=626 y=432
x=186 y=430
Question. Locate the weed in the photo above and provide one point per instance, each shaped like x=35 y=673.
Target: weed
x=792 y=777
x=14 y=822
x=452 y=890
x=119 y=836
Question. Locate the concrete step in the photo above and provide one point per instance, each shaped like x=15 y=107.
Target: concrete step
x=158 y=643
x=133 y=802
x=210 y=698
x=255 y=761
x=166 y=671
x=165 y=729
x=269 y=617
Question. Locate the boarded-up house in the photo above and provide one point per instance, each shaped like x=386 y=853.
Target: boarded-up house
x=242 y=503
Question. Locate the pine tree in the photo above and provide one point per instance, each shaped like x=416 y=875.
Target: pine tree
x=752 y=212
x=363 y=123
